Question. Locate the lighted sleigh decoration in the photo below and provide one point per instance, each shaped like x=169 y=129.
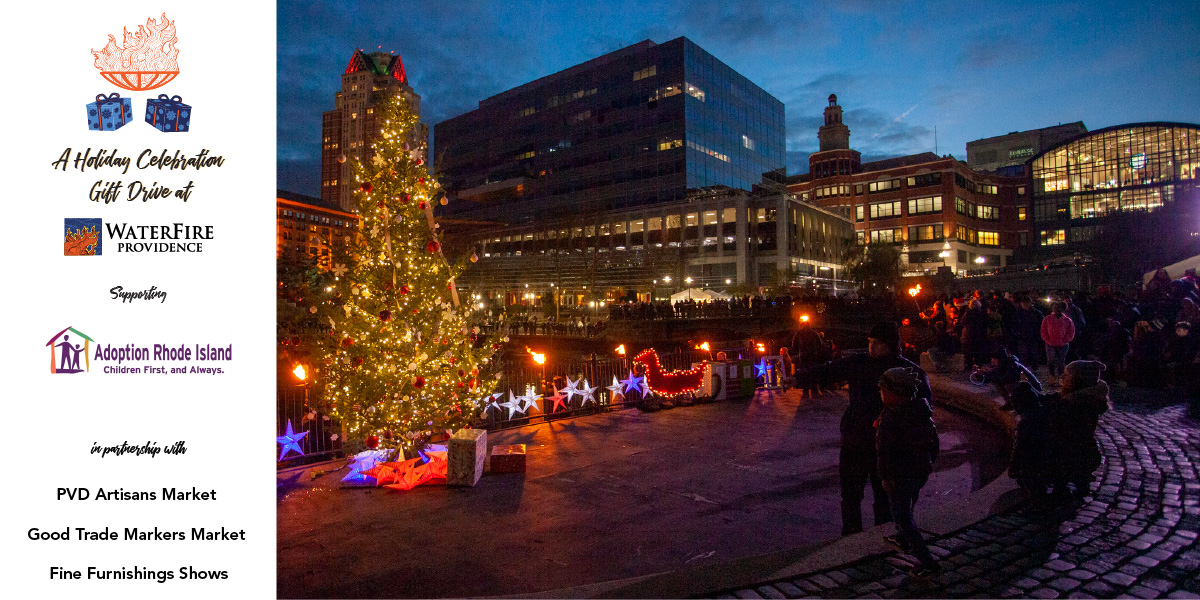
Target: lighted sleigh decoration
x=673 y=383
x=145 y=60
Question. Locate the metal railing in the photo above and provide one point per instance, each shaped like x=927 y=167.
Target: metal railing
x=522 y=377
x=323 y=439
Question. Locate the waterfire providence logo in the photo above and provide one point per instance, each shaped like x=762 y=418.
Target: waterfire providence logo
x=65 y=353
x=83 y=237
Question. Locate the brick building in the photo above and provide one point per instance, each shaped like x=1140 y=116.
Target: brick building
x=936 y=209
x=311 y=227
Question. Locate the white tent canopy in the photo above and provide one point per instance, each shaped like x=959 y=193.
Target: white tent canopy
x=698 y=295
x=1175 y=271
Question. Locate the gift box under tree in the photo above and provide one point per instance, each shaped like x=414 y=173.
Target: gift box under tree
x=168 y=114
x=109 y=113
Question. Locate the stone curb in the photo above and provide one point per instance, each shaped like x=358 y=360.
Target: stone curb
x=998 y=496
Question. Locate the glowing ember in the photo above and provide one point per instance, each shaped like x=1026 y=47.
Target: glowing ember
x=538 y=357
x=299 y=372
x=146 y=59
x=703 y=346
x=621 y=349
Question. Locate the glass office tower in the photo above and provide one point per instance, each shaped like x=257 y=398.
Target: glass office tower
x=635 y=127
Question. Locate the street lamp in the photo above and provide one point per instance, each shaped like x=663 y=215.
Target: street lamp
x=688 y=281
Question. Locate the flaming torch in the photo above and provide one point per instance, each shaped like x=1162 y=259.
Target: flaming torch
x=145 y=60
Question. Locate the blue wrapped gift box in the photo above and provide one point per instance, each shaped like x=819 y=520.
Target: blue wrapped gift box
x=168 y=114
x=109 y=113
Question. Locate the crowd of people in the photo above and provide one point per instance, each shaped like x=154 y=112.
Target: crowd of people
x=1145 y=339
x=738 y=306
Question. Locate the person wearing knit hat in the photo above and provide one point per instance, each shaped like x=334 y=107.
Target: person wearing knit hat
x=857 y=464
x=906 y=445
x=1073 y=415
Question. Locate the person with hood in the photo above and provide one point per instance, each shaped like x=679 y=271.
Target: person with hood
x=974 y=324
x=857 y=461
x=1072 y=415
x=906 y=443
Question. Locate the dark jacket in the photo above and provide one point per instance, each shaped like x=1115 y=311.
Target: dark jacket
x=974 y=329
x=862 y=373
x=1072 y=417
x=1031 y=457
x=906 y=440
x=1027 y=325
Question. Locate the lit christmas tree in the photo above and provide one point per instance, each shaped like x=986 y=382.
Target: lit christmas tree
x=404 y=360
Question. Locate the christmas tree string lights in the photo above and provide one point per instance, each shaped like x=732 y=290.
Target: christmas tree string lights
x=401 y=363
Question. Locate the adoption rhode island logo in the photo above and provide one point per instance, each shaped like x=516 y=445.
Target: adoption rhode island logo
x=65 y=353
x=83 y=237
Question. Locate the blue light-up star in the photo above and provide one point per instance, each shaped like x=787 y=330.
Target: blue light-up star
x=632 y=383
x=290 y=441
x=365 y=461
x=760 y=369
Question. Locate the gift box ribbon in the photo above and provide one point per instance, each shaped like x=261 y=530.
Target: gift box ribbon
x=175 y=102
x=101 y=100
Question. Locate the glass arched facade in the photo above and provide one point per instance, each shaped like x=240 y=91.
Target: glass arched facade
x=1137 y=167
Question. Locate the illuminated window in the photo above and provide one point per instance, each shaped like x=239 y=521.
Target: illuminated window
x=883 y=186
x=965 y=234
x=582 y=116
x=353 y=116
x=990 y=213
x=858 y=213
x=525 y=155
x=1021 y=213
x=747 y=143
x=925 y=233
x=649 y=71
x=694 y=92
x=884 y=210
x=693 y=219
x=989 y=238
x=525 y=112
x=987 y=188
x=932 y=204
x=670 y=144
x=1054 y=237
x=887 y=236
x=710 y=217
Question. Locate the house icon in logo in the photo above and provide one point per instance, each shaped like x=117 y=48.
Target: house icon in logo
x=65 y=351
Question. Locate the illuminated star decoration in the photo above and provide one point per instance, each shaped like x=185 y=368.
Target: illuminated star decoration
x=644 y=386
x=614 y=390
x=530 y=400
x=587 y=393
x=571 y=390
x=760 y=369
x=290 y=441
x=632 y=383
x=339 y=269
x=558 y=399
x=364 y=461
x=491 y=402
x=514 y=405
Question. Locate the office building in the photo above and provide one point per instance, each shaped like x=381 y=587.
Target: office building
x=936 y=209
x=1080 y=184
x=348 y=130
x=635 y=127
x=714 y=238
x=1007 y=154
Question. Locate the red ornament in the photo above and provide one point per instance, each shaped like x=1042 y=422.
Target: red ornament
x=420 y=162
x=421 y=181
x=433 y=246
x=385 y=315
x=462 y=373
x=379 y=204
x=460 y=384
x=421 y=205
x=387 y=435
x=373 y=442
x=366 y=187
x=405 y=198
x=418 y=382
x=347 y=342
x=404 y=289
x=358 y=361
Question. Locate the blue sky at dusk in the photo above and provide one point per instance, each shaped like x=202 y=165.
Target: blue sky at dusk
x=972 y=69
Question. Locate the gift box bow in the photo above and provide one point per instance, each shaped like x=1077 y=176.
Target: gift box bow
x=102 y=99
x=171 y=102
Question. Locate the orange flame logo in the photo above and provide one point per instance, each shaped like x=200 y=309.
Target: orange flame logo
x=145 y=60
